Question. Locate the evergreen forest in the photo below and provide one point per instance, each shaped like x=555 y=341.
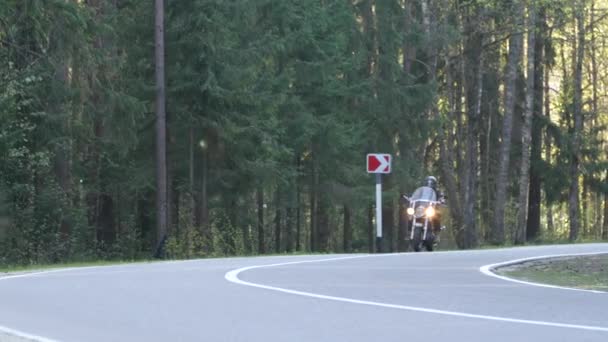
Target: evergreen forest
x=135 y=129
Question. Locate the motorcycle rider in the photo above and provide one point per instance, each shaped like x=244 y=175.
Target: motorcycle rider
x=430 y=184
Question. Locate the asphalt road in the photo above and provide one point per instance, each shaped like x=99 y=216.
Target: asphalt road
x=440 y=296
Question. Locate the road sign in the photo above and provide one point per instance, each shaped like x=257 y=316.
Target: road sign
x=379 y=163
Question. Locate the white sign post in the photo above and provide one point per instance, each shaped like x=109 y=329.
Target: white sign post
x=379 y=164
x=378 y=210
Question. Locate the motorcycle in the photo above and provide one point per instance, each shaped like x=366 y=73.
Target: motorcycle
x=421 y=210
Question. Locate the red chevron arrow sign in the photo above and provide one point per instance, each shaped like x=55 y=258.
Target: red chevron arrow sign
x=379 y=163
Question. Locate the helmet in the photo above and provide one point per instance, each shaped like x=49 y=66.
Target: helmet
x=431 y=182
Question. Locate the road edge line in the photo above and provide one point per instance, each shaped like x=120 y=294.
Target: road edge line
x=12 y=335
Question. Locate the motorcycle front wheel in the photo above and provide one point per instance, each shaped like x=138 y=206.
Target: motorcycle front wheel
x=416 y=242
x=429 y=244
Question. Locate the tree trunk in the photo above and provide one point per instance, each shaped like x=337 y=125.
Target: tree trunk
x=447 y=171
x=460 y=136
x=487 y=134
x=526 y=134
x=474 y=92
x=584 y=197
x=371 y=240
x=293 y=204
x=534 y=197
x=409 y=51
x=594 y=82
x=260 y=204
x=237 y=221
x=201 y=202
x=547 y=104
x=289 y=229
x=94 y=185
x=486 y=167
x=348 y=231
x=191 y=195
x=447 y=166
x=63 y=172
x=497 y=234
x=605 y=225
x=204 y=202
x=367 y=8
x=388 y=225
x=161 y=127
x=278 y=219
x=402 y=244
x=171 y=192
x=369 y=32
x=106 y=220
x=573 y=196
x=229 y=235
x=173 y=196
x=314 y=201
x=598 y=215
x=322 y=239
x=145 y=204
x=95 y=193
x=298 y=205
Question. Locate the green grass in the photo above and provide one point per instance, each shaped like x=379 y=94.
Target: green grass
x=584 y=272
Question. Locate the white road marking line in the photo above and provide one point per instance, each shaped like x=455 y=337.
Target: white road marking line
x=37 y=273
x=488 y=270
x=233 y=276
x=21 y=335
x=33 y=338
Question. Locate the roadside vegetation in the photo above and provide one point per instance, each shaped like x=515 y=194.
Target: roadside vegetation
x=16 y=269
x=583 y=272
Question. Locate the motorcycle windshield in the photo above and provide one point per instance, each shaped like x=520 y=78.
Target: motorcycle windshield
x=424 y=193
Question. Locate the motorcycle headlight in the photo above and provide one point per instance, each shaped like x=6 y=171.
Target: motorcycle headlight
x=410 y=211
x=430 y=211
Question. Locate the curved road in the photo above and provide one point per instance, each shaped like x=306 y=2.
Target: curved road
x=439 y=296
